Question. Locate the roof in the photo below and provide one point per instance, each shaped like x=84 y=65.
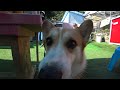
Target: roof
x=73 y=17
x=105 y=22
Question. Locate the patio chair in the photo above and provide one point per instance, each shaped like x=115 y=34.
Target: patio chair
x=114 y=60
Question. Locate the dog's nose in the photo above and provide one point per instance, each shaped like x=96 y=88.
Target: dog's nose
x=50 y=72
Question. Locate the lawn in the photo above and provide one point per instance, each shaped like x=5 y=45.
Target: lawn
x=99 y=50
x=5 y=52
x=6 y=60
x=97 y=54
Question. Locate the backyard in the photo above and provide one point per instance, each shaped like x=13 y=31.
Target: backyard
x=98 y=56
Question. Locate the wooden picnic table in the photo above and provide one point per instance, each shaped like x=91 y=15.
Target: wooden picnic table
x=15 y=31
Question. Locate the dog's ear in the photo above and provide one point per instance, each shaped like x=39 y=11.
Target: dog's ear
x=46 y=26
x=85 y=29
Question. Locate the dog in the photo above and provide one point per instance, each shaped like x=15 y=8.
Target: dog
x=65 y=57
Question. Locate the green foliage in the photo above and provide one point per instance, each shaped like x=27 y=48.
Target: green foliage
x=103 y=31
x=57 y=15
x=82 y=11
x=99 y=50
x=49 y=14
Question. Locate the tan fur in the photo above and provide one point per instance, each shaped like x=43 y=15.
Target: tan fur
x=71 y=61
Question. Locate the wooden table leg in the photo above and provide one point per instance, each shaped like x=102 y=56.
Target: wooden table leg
x=37 y=46
x=21 y=57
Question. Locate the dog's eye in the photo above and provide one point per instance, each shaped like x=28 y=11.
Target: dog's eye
x=71 y=44
x=49 y=41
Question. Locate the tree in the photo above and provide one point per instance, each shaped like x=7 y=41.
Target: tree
x=81 y=11
x=54 y=15
x=49 y=14
x=57 y=15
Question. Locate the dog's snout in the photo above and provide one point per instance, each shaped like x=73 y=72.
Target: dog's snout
x=50 y=72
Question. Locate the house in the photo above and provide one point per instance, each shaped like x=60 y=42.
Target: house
x=105 y=23
x=101 y=19
x=73 y=17
x=95 y=17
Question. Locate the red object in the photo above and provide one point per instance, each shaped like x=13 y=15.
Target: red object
x=15 y=31
x=10 y=24
x=20 y=19
x=115 y=31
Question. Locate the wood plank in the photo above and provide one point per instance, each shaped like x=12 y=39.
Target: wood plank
x=21 y=54
x=18 y=18
x=21 y=57
x=7 y=40
x=15 y=30
x=7 y=75
x=37 y=47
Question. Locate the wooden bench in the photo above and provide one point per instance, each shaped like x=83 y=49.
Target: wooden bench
x=15 y=31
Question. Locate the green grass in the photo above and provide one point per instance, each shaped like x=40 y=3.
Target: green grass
x=92 y=50
x=33 y=53
x=6 y=54
x=99 y=50
x=98 y=56
x=6 y=60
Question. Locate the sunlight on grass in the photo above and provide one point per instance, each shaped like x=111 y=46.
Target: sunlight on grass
x=93 y=50
x=99 y=50
x=33 y=53
x=6 y=54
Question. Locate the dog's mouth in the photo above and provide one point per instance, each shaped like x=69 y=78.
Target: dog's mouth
x=50 y=72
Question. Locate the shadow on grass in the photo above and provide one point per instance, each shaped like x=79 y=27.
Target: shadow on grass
x=5 y=47
x=9 y=47
x=97 y=69
x=8 y=66
x=32 y=45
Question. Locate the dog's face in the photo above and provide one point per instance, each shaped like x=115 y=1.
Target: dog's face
x=64 y=50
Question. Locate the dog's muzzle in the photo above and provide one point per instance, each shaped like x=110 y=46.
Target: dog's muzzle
x=50 y=72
